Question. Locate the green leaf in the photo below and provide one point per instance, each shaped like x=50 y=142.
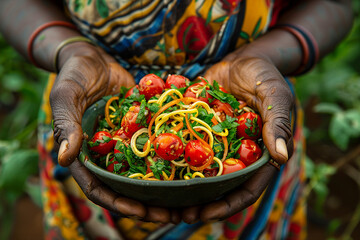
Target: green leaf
x=224 y=97
x=16 y=168
x=78 y=5
x=229 y=123
x=154 y=107
x=257 y=26
x=343 y=126
x=102 y=8
x=208 y=19
x=331 y=108
x=244 y=35
x=220 y=19
x=141 y=113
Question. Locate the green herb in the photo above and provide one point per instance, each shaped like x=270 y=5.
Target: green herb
x=105 y=139
x=203 y=115
x=117 y=167
x=234 y=147
x=137 y=164
x=229 y=123
x=154 y=107
x=157 y=167
x=216 y=85
x=203 y=93
x=223 y=97
x=123 y=91
x=141 y=141
x=269 y=107
x=252 y=129
x=141 y=114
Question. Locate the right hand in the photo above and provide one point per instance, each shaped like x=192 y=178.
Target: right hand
x=87 y=74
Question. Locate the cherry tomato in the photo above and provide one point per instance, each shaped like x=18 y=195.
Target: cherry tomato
x=168 y=146
x=196 y=153
x=151 y=85
x=249 y=152
x=110 y=167
x=250 y=126
x=222 y=108
x=196 y=91
x=131 y=91
x=128 y=123
x=177 y=80
x=232 y=165
x=210 y=172
x=112 y=164
x=120 y=133
x=102 y=143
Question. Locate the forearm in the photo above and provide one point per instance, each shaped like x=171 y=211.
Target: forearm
x=327 y=21
x=19 y=19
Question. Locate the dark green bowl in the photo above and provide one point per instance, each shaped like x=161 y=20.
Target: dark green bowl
x=178 y=193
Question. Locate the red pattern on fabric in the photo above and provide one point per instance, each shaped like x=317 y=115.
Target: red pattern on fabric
x=279 y=5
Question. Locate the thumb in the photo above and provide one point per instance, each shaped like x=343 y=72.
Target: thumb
x=275 y=110
x=67 y=104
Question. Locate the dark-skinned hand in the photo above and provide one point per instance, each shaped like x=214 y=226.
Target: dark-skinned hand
x=256 y=81
x=87 y=74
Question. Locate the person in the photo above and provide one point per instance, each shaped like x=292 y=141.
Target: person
x=247 y=46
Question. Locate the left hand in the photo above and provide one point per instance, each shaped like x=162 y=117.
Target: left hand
x=256 y=81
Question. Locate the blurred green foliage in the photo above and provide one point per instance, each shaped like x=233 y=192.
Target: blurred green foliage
x=21 y=87
x=336 y=84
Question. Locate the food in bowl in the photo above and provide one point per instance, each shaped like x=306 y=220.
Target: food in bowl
x=164 y=131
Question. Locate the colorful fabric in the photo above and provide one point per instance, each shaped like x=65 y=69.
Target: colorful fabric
x=177 y=36
x=161 y=37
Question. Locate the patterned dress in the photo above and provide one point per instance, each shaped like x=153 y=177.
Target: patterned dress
x=170 y=36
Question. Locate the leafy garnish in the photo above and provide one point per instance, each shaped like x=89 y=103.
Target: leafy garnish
x=229 y=123
x=157 y=167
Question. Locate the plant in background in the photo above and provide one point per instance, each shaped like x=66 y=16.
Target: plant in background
x=335 y=83
x=21 y=87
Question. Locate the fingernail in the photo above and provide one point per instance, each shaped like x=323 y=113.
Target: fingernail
x=63 y=147
x=280 y=147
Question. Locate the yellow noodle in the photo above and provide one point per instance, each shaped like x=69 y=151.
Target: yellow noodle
x=197 y=174
x=136 y=175
x=221 y=167
x=133 y=144
x=211 y=137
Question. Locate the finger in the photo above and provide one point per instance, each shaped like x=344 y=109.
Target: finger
x=157 y=215
x=67 y=121
x=119 y=77
x=275 y=104
x=241 y=198
x=103 y=196
x=264 y=88
x=175 y=216
x=191 y=215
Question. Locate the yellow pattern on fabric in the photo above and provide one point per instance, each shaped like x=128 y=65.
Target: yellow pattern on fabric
x=262 y=14
x=136 y=230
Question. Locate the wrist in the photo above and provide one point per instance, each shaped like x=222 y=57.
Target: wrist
x=278 y=47
x=76 y=47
